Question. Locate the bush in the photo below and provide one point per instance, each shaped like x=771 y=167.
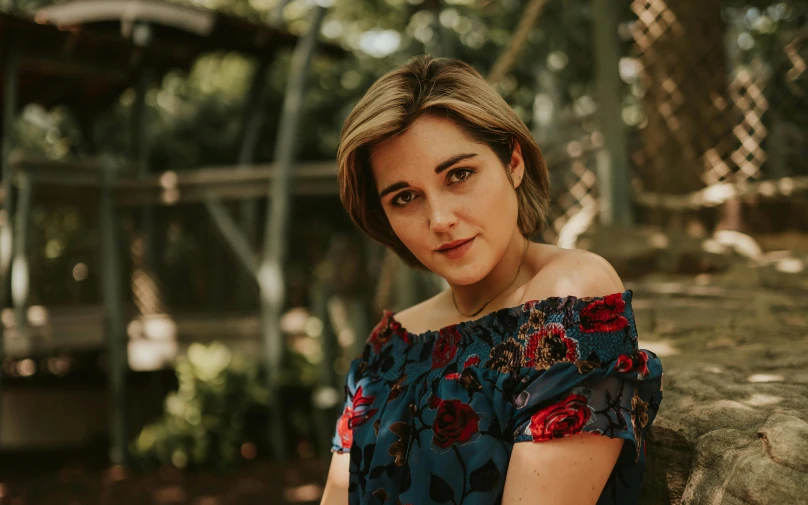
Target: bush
x=204 y=423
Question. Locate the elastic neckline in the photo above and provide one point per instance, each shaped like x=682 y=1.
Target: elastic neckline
x=525 y=306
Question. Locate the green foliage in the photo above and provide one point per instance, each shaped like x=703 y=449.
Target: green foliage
x=204 y=423
x=195 y=118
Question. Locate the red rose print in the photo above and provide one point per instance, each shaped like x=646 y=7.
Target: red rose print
x=636 y=361
x=344 y=428
x=643 y=366
x=434 y=402
x=361 y=412
x=604 y=315
x=445 y=347
x=472 y=360
x=452 y=376
x=561 y=419
x=455 y=423
x=550 y=345
x=624 y=363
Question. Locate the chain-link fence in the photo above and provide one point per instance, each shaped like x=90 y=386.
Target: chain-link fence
x=716 y=108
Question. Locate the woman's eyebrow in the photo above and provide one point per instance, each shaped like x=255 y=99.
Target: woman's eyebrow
x=438 y=169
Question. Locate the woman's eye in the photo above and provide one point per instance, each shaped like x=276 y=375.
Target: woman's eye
x=465 y=171
x=400 y=201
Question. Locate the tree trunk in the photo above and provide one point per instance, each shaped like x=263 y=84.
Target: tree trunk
x=689 y=113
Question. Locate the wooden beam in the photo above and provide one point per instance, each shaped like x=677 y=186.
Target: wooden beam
x=197 y=21
x=225 y=192
x=508 y=57
x=69 y=68
x=218 y=174
x=181 y=187
x=80 y=173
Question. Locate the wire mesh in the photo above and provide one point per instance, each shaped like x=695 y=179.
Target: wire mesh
x=722 y=95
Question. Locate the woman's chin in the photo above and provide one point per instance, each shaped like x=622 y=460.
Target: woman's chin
x=461 y=275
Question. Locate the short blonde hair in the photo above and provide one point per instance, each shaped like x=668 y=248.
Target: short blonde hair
x=449 y=88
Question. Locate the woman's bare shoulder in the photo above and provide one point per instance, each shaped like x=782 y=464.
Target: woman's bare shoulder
x=575 y=272
x=559 y=272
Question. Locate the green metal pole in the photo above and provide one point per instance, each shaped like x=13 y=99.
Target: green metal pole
x=20 y=281
x=270 y=275
x=251 y=129
x=320 y=294
x=9 y=103
x=252 y=122
x=113 y=319
x=139 y=142
x=612 y=171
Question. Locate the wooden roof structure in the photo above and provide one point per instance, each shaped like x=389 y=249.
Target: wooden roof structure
x=83 y=71
x=182 y=30
x=84 y=54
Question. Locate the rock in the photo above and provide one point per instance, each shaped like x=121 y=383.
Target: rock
x=721 y=438
x=632 y=252
x=730 y=467
x=785 y=439
x=732 y=428
x=783 y=273
x=669 y=456
x=638 y=251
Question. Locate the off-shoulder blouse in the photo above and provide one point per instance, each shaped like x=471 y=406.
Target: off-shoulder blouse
x=432 y=417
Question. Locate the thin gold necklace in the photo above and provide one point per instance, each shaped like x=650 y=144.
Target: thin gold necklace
x=527 y=242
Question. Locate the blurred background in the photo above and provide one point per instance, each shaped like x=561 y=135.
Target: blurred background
x=182 y=292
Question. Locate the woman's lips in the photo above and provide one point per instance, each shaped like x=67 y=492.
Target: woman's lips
x=459 y=250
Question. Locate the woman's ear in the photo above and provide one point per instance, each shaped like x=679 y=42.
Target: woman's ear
x=517 y=164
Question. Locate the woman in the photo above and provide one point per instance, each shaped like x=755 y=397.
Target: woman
x=530 y=342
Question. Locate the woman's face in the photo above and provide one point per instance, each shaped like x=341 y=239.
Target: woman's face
x=437 y=187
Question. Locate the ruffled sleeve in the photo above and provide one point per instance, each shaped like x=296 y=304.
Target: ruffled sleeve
x=357 y=407
x=343 y=436
x=582 y=371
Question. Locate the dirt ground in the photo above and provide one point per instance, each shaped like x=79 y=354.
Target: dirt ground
x=72 y=481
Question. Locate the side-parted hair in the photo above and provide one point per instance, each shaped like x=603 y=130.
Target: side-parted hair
x=452 y=89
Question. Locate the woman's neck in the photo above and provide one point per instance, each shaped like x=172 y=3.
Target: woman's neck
x=504 y=279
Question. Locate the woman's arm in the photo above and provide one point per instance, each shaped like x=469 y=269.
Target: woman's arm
x=336 y=485
x=571 y=470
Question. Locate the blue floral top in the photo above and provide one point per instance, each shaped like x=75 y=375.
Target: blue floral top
x=432 y=418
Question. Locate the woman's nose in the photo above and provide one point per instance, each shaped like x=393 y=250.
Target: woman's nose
x=441 y=216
